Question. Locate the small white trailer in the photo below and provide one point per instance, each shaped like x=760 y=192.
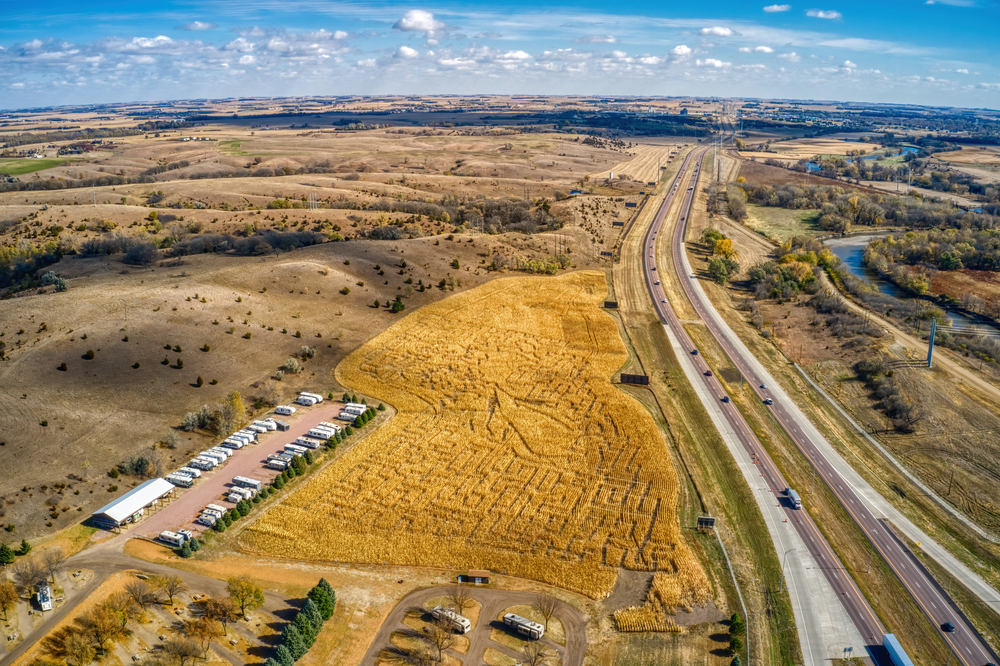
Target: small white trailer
x=224 y=450
x=172 y=538
x=356 y=405
x=245 y=482
x=216 y=507
x=321 y=434
x=459 y=624
x=219 y=458
x=267 y=424
x=347 y=416
x=315 y=396
x=332 y=426
x=259 y=429
x=277 y=463
x=357 y=410
x=212 y=512
x=306 y=401
x=296 y=449
x=206 y=519
x=284 y=410
x=203 y=463
x=190 y=471
x=182 y=480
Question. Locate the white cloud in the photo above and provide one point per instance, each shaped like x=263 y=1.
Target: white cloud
x=369 y=62
x=953 y=3
x=199 y=25
x=239 y=44
x=764 y=49
x=848 y=65
x=718 y=31
x=680 y=51
x=16 y=86
x=790 y=57
x=824 y=14
x=146 y=43
x=489 y=35
x=650 y=60
x=777 y=8
x=247 y=60
x=596 y=39
x=746 y=49
x=712 y=62
x=418 y=20
x=340 y=34
x=961 y=71
x=407 y=52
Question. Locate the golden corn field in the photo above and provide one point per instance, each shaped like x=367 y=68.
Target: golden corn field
x=511 y=451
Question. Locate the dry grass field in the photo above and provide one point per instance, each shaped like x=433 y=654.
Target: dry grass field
x=511 y=451
x=644 y=162
x=797 y=149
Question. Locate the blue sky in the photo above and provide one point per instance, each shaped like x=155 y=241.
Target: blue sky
x=933 y=52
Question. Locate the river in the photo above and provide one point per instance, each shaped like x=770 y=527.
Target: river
x=851 y=250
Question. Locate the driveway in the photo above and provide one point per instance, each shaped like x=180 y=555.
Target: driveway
x=493 y=602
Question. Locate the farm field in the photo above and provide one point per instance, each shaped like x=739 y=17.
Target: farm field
x=642 y=167
x=511 y=450
x=20 y=167
x=797 y=149
x=780 y=224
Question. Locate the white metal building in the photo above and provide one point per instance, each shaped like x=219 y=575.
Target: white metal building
x=132 y=505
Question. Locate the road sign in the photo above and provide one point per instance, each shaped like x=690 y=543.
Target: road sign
x=706 y=521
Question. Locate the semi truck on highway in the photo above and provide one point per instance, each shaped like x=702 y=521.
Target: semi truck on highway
x=895 y=650
x=794 y=498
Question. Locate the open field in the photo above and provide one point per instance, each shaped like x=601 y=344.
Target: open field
x=988 y=155
x=20 y=167
x=780 y=224
x=646 y=158
x=511 y=450
x=985 y=284
x=797 y=149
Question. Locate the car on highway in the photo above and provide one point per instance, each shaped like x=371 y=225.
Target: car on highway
x=653 y=268
x=657 y=282
x=694 y=353
x=725 y=398
x=763 y=386
x=708 y=373
x=768 y=401
x=948 y=628
x=663 y=301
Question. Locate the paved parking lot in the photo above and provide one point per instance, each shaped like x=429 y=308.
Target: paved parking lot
x=213 y=485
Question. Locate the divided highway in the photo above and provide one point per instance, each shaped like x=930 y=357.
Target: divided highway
x=967 y=645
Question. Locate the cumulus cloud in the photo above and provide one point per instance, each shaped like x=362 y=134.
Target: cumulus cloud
x=247 y=60
x=418 y=20
x=848 y=65
x=717 y=30
x=406 y=52
x=961 y=71
x=764 y=49
x=824 y=14
x=198 y=25
x=712 y=62
x=745 y=49
x=680 y=51
x=596 y=39
x=790 y=57
x=777 y=8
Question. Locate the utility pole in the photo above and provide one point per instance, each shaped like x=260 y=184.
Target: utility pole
x=930 y=344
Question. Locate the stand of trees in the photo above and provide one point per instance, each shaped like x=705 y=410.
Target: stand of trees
x=300 y=634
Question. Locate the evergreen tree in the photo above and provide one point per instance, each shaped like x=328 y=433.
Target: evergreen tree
x=347 y=398
x=185 y=550
x=311 y=611
x=271 y=662
x=283 y=656
x=736 y=626
x=323 y=602
x=292 y=639
x=6 y=555
x=306 y=629
x=25 y=547
x=331 y=595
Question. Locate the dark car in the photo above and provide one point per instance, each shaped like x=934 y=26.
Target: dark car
x=768 y=401
x=948 y=628
x=694 y=353
x=725 y=398
x=708 y=373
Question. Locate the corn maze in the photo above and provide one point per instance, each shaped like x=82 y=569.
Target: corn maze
x=511 y=451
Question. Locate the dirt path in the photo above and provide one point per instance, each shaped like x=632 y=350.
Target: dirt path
x=943 y=358
x=493 y=602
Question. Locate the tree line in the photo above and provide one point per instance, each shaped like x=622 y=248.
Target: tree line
x=841 y=210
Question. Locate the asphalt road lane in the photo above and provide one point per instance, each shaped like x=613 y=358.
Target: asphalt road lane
x=969 y=648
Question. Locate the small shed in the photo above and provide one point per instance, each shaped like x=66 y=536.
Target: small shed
x=479 y=576
x=282 y=425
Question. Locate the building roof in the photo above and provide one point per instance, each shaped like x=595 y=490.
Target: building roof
x=138 y=498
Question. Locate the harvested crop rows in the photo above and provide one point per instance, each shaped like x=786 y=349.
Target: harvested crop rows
x=511 y=451
x=643 y=166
